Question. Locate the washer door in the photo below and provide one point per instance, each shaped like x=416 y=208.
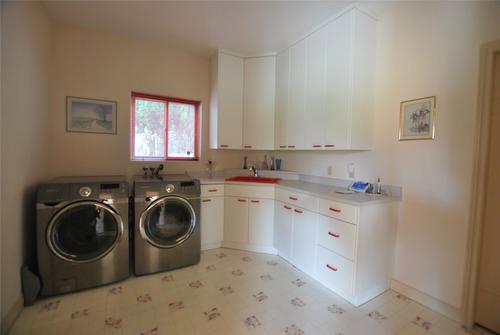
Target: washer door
x=84 y=231
x=167 y=222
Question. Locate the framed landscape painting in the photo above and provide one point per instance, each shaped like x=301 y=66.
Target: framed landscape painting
x=417 y=119
x=90 y=115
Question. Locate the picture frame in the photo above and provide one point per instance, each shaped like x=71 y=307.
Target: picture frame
x=85 y=115
x=417 y=119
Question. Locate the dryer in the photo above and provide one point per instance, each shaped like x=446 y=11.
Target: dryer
x=82 y=233
x=167 y=223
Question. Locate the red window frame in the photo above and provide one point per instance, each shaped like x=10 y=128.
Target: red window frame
x=196 y=105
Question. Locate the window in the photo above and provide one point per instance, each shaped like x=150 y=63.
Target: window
x=164 y=128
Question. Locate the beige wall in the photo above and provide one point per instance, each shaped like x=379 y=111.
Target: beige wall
x=102 y=66
x=424 y=49
x=25 y=47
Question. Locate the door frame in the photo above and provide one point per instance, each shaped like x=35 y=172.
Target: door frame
x=488 y=55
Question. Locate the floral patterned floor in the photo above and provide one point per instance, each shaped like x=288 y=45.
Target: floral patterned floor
x=228 y=292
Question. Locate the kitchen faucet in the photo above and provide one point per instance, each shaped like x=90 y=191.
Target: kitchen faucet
x=254 y=170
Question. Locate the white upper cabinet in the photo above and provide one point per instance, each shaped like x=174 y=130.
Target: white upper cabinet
x=258 y=102
x=226 y=102
x=282 y=81
x=328 y=100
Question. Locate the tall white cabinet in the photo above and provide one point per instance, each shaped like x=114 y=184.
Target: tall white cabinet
x=325 y=87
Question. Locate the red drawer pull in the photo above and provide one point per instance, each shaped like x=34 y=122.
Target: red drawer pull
x=336 y=210
x=331 y=267
x=286 y=207
x=293 y=198
x=242 y=200
x=329 y=145
x=282 y=146
x=247 y=146
x=207 y=200
x=224 y=146
x=298 y=211
x=255 y=201
x=213 y=190
x=333 y=234
x=291 y=146
x=317 y=146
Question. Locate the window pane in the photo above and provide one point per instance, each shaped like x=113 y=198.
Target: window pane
x=149 y=128
x=181 y=130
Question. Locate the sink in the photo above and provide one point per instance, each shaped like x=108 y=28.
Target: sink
x=251 y=179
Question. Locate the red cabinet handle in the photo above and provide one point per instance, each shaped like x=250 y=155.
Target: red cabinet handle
x=317 y=146
x=255 y=201
x=336 y=210
x=329 y=145
x=291 y=146
x=293 y=198
x=247 y=146
x=242 y=200
x=333 y=234
x=282 y=146
x=224 y=146
x=212 y=190
x=286 y=207
x=207 y=200
x=331 y=267
x=298 y=211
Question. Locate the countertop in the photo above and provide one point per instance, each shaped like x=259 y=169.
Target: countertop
x=314 y=189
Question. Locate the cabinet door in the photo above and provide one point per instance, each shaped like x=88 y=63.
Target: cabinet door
x=304 y=239
x=236 y=219
x=258 y=103
x=339 y=82
x=260 y=222
x=283 y=224
x=230 y=102
x=212 y=221
x=282 y=85
x=295 y=111
x=315 y=98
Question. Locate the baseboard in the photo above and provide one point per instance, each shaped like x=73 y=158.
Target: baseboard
x=250 y=247
x=11 y=316
x=428 y=301
x=208 y=246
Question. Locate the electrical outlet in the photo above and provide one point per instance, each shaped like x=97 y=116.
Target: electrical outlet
x=351 y=170
x=330 y=170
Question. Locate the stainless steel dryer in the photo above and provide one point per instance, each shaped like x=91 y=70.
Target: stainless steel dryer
x=82 y=233
x=167 y=223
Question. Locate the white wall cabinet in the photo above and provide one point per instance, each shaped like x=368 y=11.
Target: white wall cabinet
x=259 y=102
x=226 y=102
x=327 y=102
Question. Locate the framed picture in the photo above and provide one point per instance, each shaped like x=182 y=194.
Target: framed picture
x=90 y=115
x=417 y=119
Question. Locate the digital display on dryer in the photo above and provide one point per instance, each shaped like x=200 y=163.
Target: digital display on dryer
x=110 y=186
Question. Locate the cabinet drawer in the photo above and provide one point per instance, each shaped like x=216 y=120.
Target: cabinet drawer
x=212 y=190
x=249 y=191
x=338 y=210
x=297 y=199
x=334 y=271
x=337 y=236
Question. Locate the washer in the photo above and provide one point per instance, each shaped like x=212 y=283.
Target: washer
x=82 y=233
x=167 y=223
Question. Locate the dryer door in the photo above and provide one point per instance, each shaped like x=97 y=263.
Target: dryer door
x=84 y=231
x=167 y=222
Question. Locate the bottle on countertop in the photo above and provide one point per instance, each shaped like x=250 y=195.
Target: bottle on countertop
x=245 y=163
x=272 y=163
x=264 y=165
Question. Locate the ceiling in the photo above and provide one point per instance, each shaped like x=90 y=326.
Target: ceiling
x=244 y=27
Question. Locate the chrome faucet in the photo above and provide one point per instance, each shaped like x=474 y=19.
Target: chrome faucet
x=254 y=170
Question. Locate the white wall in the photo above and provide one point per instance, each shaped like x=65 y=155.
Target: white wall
x=25 y=47
x=424 y=49
x=103 y=66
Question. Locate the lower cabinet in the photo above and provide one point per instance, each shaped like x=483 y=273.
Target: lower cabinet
x=283 y=229
x=260 y=222
x=236 y=219
x=212 y=221
x=304 y=239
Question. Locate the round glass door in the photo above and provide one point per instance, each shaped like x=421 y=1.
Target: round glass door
x=84 y=231
x=167 y=222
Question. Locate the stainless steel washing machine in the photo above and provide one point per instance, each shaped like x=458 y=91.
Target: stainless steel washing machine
x=167 y=223
x=82 y=233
